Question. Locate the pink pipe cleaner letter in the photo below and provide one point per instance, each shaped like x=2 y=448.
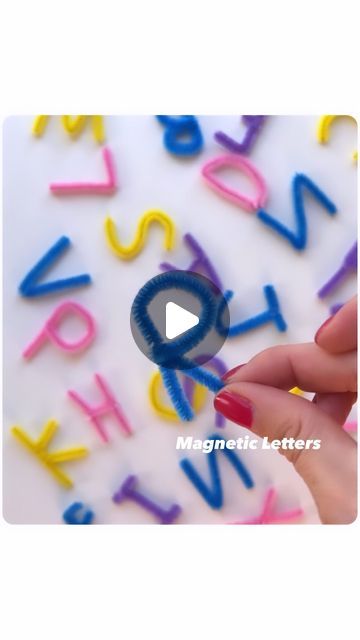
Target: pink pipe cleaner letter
x=50 y=330
x=107 y=188
x=268 y=515
x=244 y=165
x=110 y=405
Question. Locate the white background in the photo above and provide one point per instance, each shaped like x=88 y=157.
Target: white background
x=262 y=580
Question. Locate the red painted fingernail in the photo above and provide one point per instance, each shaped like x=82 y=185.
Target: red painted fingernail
x=322 y=327
x=231 y=372
x=234 y=407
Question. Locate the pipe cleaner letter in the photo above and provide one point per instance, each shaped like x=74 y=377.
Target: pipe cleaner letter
x=323 y=130
x=39 y=125
x=253 y=125
x=244 y=165
x=272 y=314
x=71 y=515
x=268 y=515
x=182 y=135
x=127 y=491
x=298 y=239
x=171 y=355
x=214 y=495
x=109 y=406
x=132 y=250
x=348 y=266
x=73 y=126
x=30 y=287
x=106 y=188
x=200 y=264
x=51 y=461
x=197 y=391
x=50 y=331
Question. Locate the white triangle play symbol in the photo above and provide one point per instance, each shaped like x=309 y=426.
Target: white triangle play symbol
x=178 y=320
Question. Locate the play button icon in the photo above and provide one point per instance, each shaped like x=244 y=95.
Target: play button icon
x=179 y=319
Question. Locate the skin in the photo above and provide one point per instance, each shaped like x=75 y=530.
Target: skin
x=328 y=368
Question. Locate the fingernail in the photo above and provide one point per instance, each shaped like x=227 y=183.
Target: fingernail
x=234 y=407
x=231 y=372
x=322 y=327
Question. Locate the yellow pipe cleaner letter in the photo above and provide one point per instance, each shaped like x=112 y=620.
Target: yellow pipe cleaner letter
x=39 y=125
x=323 y=130
x=39 y=448
x=163 y=410
x=72 y=125
x=132 y=250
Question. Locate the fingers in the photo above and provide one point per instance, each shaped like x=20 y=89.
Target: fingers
x=302 y=365
x=338 y=334
x=329 y=472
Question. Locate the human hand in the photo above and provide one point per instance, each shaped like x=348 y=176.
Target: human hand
x=256 y=396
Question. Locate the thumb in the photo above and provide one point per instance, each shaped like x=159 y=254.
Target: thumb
x=329 y=472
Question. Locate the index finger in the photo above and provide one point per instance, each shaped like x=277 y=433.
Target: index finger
x=306 y=366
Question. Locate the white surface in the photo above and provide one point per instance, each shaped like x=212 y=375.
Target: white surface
x=246 y=256
x=178 y=320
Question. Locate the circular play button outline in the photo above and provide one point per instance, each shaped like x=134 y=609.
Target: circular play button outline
x=196 y=298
